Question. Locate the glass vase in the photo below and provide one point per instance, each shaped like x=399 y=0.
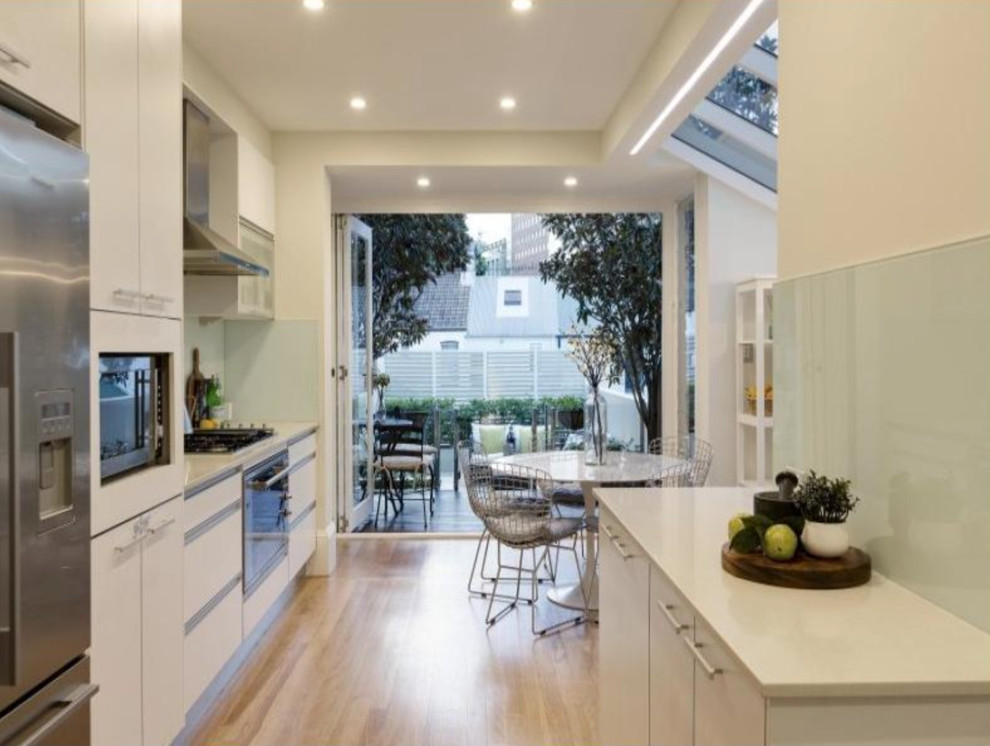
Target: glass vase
x=595 y=428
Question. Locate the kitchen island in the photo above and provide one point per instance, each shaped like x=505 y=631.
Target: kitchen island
x=691 y=654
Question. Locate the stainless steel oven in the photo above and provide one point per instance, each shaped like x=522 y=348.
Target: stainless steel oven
x=266 y=518
x=134 y=413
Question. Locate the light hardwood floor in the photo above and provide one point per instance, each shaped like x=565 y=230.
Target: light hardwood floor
x=390 y=650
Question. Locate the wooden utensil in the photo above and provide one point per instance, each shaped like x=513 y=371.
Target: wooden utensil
x=195 y=387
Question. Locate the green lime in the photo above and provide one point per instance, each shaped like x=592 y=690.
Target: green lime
x=736 y=524
x=780 y=542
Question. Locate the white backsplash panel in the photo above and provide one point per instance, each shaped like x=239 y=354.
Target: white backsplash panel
x=882 y=375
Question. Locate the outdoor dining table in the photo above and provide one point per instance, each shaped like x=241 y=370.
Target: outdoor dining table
x=569 y=467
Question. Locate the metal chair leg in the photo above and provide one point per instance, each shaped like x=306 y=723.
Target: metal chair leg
x=572 y=622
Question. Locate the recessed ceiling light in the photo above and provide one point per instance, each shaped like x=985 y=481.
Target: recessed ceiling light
x=570 y=182
x=521 y=6
x=507 y=103
x=314 y=4
x=423 y=182
x=358 y=103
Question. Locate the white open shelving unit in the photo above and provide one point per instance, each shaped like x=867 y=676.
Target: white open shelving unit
x=754 y=381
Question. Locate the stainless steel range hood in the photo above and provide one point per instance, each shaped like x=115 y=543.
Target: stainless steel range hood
x=206 y=252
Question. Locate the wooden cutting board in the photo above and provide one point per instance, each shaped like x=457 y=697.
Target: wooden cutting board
x=804 y=571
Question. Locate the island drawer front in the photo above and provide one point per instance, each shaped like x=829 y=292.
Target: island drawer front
x=728 y=704
x=301 y=449
x=671 y=665
x=264 y=596
x=212 y=557
x=211 y=642
x=624 y=638
x=202 y=504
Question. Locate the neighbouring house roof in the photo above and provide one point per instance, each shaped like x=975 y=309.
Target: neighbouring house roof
x=444 y=304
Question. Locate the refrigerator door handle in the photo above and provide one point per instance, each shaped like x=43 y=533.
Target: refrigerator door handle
x=66 y=707
x=10 y=570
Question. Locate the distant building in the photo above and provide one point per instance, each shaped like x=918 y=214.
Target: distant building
x=444 y=304
x=498 y=257
x=531 y=243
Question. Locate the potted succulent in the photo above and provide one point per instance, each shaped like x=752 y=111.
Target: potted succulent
x=825 y=504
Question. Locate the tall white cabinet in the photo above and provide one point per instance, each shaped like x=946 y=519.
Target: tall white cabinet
x=754 y=382
x=132 y=130
x=138 y=636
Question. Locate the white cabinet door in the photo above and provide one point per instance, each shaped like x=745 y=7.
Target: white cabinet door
x=160 y=128
x=163 y=625
x=255 y=186
x=624 y=639
x=671 y=665
x=728 y=706
x=110 y=133
x=40 y=54
x=116 y=630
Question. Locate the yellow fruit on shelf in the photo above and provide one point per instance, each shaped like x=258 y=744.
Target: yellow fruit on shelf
x=207 y=425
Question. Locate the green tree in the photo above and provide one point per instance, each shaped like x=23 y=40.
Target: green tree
x=409 y=252
x=611 y=265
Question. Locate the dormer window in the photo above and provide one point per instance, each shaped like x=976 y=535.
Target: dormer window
x=512 y=298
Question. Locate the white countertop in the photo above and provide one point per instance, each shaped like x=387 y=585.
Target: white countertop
x=202 y=469
x=879 y=639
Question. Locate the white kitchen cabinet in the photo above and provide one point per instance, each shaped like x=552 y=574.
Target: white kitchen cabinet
x=624 y=638
x=671 y=665
x=728 y=705
x=302 y=539
x=264 y=596
x=110 y=136
x=160 y=176
x=40 y=52
x=211 y=639
x=116 y=635
x=162 y=624
x=137 y=649
x=212 y=555
x=132 y=130
x=255 y=185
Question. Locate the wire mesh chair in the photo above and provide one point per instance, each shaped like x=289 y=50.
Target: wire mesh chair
x=515 y=503
x=474 y=463
x=694 y=456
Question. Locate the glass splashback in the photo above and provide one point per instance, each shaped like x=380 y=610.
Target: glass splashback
x=882 y=374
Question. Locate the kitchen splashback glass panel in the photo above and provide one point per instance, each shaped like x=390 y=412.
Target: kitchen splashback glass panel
x=882 y=374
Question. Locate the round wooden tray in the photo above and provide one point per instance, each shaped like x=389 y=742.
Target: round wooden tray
x=804 y=571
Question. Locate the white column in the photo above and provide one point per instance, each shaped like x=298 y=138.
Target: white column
x=671 y=313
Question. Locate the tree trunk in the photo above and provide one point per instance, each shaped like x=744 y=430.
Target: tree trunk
x=654 y=421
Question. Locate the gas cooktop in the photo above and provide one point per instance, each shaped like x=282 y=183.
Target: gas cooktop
x=226 y=439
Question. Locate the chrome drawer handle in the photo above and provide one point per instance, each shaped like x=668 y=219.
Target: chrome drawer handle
x=695 y=647
x=154 y=298
x=667 y=610
x=138 y=538
x=619 y=546
x=161 y=526
x=125 y=294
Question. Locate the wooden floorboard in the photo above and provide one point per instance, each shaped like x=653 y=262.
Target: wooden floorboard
x=390 y=650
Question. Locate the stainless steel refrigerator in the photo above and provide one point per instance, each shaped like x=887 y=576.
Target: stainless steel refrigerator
x=44 y=438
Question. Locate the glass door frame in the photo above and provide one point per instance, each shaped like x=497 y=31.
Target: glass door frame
x=350 y=514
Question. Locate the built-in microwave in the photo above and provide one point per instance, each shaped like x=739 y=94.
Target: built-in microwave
x=134 y=413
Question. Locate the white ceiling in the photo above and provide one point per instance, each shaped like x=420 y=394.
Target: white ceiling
x=634 y=186
x=427 y=64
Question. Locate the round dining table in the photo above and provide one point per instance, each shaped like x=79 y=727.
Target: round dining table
x=569 y=467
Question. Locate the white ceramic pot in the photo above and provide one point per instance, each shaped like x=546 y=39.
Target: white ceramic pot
x=825 y=540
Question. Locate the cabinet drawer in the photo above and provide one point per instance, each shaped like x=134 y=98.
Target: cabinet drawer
x=261 y=600
x=211 y=642
x=302 y=485
x=671 y=665
x=204 y=503
x=302 y=540
x=301 y=449
x=212 y=557
x=728 y=706
x=624 y=638
x=44 y=37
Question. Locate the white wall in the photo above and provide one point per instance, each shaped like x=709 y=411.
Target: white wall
x=735 y=240
x=199 y=77
x=884 y=145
